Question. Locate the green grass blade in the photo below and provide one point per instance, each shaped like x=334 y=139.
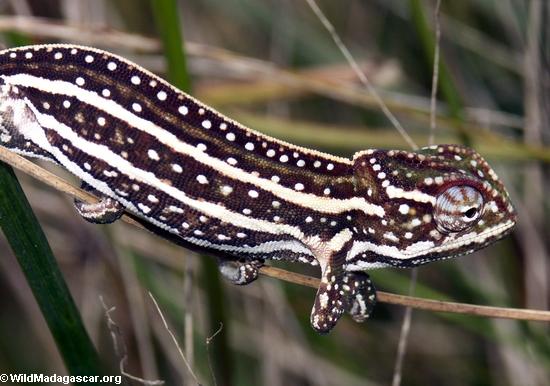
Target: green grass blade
x=33 y=252
x=169 y=28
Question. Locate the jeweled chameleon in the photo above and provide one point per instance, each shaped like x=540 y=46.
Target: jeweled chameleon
x=204 y=181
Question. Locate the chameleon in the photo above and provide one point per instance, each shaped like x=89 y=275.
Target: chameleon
x=208 y=183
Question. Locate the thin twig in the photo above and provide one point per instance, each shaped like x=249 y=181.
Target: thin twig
x=173 y=338
x=120 y=346
x=404 y=335
x=360 y=74
x=61 y=185
x=209 y=341
x=435 y=75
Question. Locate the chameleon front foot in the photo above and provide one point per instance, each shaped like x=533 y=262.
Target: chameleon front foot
x=240 y=272
x=360 y=295
x=329 y=302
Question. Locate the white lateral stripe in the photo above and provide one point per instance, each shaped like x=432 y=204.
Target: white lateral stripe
x=423 y=247
x=267 y=247
x=414 y=195
x=103 y=153
x=307 y=200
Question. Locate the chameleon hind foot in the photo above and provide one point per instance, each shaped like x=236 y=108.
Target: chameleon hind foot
x=106 y=211
x=240 y=272
x=360 y=295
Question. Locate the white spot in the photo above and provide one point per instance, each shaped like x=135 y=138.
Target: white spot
x=438 y=180
x=247 y=211
x=408 y=235
x=101 y=121
x=275 y=179
x=376 y=167
x=309 y=219
x=153 y=199
x=135 y=80
x=161 y=95
x=89 y=59
x=111 y=66
x=223 y=126
x=135 y=187
x=175 y=209
x=80 y=81
x=28 y=55
x=326 y=192
x=301 y=163
x=74 y=51
x=46 y=105
x=177 y=168
x=58 y=55
x=241 y=235
x=203 y=219
x=415 y=222
x=299 y=186
x=183 y=110
x=136 y=107
x=66 y=104
x=330 y=166
x=153 y=155
x=202 y=179
x=428 y=180
x=87 y=166
x=230 y=136
x=206 y=124
x=249 y=146
x=13 y=55
x=404 y=209
x=232 y=161
x=106 y=93
x=226 y=190
x=276 y=204
x=185 y=225
x=198 y=232
x=270 y=153
x=317 y=164
x=144 y=208
x=283 y=158
x=253 y=193
x=381 y=175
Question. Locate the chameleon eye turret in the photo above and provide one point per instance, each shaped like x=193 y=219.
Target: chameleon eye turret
x=458 y=208
x=206 y=182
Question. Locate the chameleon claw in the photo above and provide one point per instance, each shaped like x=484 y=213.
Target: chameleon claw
x=105 y=211
x=240 y=272
x=360 y=297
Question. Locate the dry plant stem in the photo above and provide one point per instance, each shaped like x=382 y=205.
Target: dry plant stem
x=182 y=355
x=360 y=74
x=120 y=346
x=420 y=303
x=59 y=184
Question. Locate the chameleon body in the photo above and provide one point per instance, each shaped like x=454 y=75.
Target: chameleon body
x=200 y=179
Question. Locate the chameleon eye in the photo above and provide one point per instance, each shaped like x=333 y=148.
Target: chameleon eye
x=458 y=208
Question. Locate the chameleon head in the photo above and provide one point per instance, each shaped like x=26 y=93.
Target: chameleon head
x=439 y=202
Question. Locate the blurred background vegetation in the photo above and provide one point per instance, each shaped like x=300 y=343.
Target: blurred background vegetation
x=270 y=65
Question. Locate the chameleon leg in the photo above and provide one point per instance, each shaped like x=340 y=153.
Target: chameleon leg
x=360 y=295
x=240 y=272
x=330 y=299
x=105 y=211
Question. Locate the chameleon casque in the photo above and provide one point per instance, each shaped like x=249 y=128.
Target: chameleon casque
x=206 y=182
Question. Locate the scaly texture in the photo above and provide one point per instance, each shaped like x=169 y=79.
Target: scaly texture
x=207 y=182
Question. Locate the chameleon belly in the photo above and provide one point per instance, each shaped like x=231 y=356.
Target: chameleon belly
x=190 y=172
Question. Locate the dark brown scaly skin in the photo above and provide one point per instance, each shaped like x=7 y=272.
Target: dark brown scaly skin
x=206 y=182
